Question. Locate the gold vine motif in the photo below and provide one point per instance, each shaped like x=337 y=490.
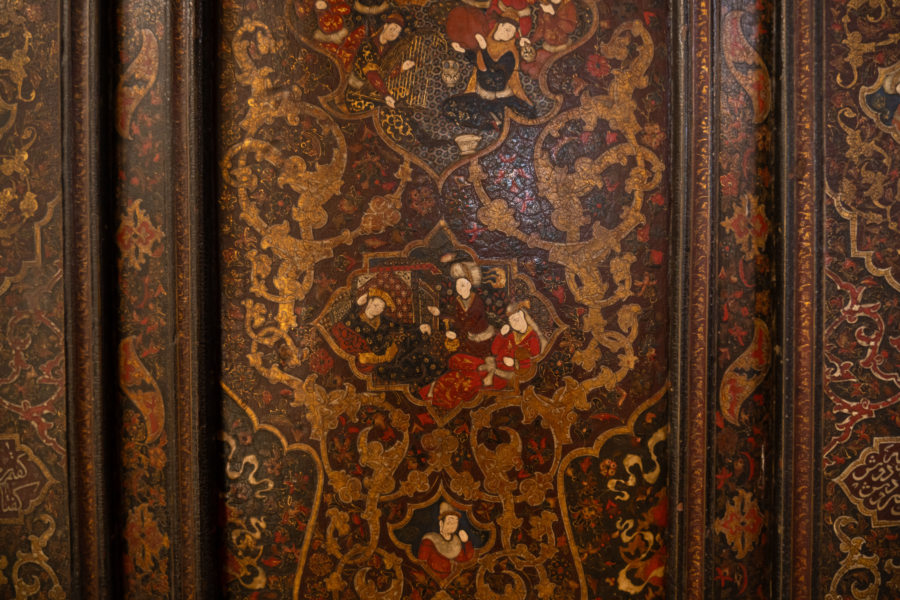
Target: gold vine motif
x=582 y=259
x=283 y=263
x=863 y=195
x=854 y=559
x=865 y=199
x=28 y=585
x=18 y=203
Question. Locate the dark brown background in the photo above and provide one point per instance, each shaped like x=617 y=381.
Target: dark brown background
x=777 y=199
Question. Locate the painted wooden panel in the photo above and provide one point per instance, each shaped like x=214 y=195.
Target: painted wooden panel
x=445 y=265
x=34 y=520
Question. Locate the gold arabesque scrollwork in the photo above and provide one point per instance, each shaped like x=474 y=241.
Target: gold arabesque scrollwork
x=283 y=257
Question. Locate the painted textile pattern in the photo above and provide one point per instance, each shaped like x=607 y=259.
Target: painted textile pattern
x=861 y=421
x=34 y=527
x=444 y=298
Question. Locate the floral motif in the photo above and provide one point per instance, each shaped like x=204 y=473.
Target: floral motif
x=143 y=536
x=597 y=66
x=381 y=214
x=137 y=237
x=750 y=225
x=741 y=524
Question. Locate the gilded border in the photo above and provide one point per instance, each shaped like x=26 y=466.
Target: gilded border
x=803 y=278
x=699 y=256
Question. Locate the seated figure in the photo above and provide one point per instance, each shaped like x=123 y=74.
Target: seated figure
x=512 y=353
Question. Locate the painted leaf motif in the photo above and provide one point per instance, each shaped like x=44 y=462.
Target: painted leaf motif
x=746 y=373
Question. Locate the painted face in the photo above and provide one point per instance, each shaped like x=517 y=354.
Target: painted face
x=517 y=321
x=463 y=287
x=505 y=32
x=374 y=307
x=391 y=31
x=449 y=525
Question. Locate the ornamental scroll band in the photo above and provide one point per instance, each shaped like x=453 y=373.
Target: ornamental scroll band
x=438 y=326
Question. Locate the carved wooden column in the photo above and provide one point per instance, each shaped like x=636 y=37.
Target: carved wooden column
x=165 y=378
x=728 y=175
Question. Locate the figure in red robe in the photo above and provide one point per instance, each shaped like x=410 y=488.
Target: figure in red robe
x=556 y=21
x=332 y=34
x=439 y=550
x=512 y=353
x=513 y=350
x=465 y=315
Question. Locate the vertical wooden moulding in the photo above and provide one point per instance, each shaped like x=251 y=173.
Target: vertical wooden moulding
x=800 y=175
x=804 y=356
x=695 y=71
x=89 y=365
x=678 y=433
x=195 y=317
x=741 y=397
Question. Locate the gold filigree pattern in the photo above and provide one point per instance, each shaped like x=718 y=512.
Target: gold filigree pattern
x=862 y=281
x=499 y=456
x=854 y=559
x=28 y=583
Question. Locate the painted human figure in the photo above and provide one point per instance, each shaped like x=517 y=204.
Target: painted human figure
x=513 y=351
x=885 y=101
x=369 y=334
x=332 y=32
x=331 y=18
x=420 y=357
x=556 y=20
x=465 y=314
x=440 y=549
x=463 y=23
x=495 y=83
x=394 y=352
x=368 y=80
x=520 y=10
